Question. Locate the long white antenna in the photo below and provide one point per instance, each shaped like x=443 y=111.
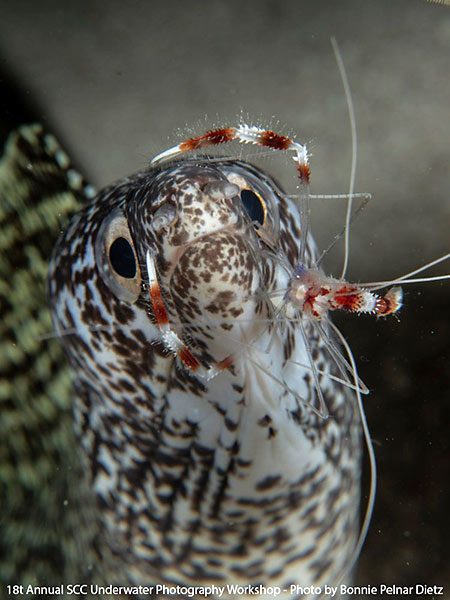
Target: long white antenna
x=351 y=113
x=372 y=460
x=408 y=277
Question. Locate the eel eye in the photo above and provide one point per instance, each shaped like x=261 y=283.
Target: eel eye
x=122 y=258
x=254 y=206
x=116 y=258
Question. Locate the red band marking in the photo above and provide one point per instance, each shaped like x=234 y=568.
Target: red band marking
x=390 y=303
x=303 y=172
x=347 y=298
x=386 y=306
x=274 y=140
x=188 y=358
x=211 y=138
x=159 y=310
x=225 y=363
x=382 y=307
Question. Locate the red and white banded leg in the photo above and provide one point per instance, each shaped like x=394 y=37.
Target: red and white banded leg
x=245 y=134
x=170 y=338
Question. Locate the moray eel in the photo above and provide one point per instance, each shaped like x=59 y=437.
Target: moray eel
x=191 y=477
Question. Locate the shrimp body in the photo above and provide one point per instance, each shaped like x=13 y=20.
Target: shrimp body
x=313 y=294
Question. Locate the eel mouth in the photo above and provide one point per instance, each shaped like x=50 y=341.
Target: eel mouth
x=213 y=286
x=215 y=276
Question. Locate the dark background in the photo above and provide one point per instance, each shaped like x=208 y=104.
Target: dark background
x=117 y=81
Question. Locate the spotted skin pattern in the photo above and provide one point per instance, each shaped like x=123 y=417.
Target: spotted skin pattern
x=232 y=480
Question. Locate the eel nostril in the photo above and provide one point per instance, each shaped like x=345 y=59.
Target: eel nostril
x=221 y=189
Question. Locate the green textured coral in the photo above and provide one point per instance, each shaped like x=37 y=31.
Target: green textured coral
x=41 y=541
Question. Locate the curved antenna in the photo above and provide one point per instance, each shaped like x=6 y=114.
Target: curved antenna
x=407 y=277
x=351 y=113
x=367 y=198
x=323 y=409
x=372 y=460
x=342 y=364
